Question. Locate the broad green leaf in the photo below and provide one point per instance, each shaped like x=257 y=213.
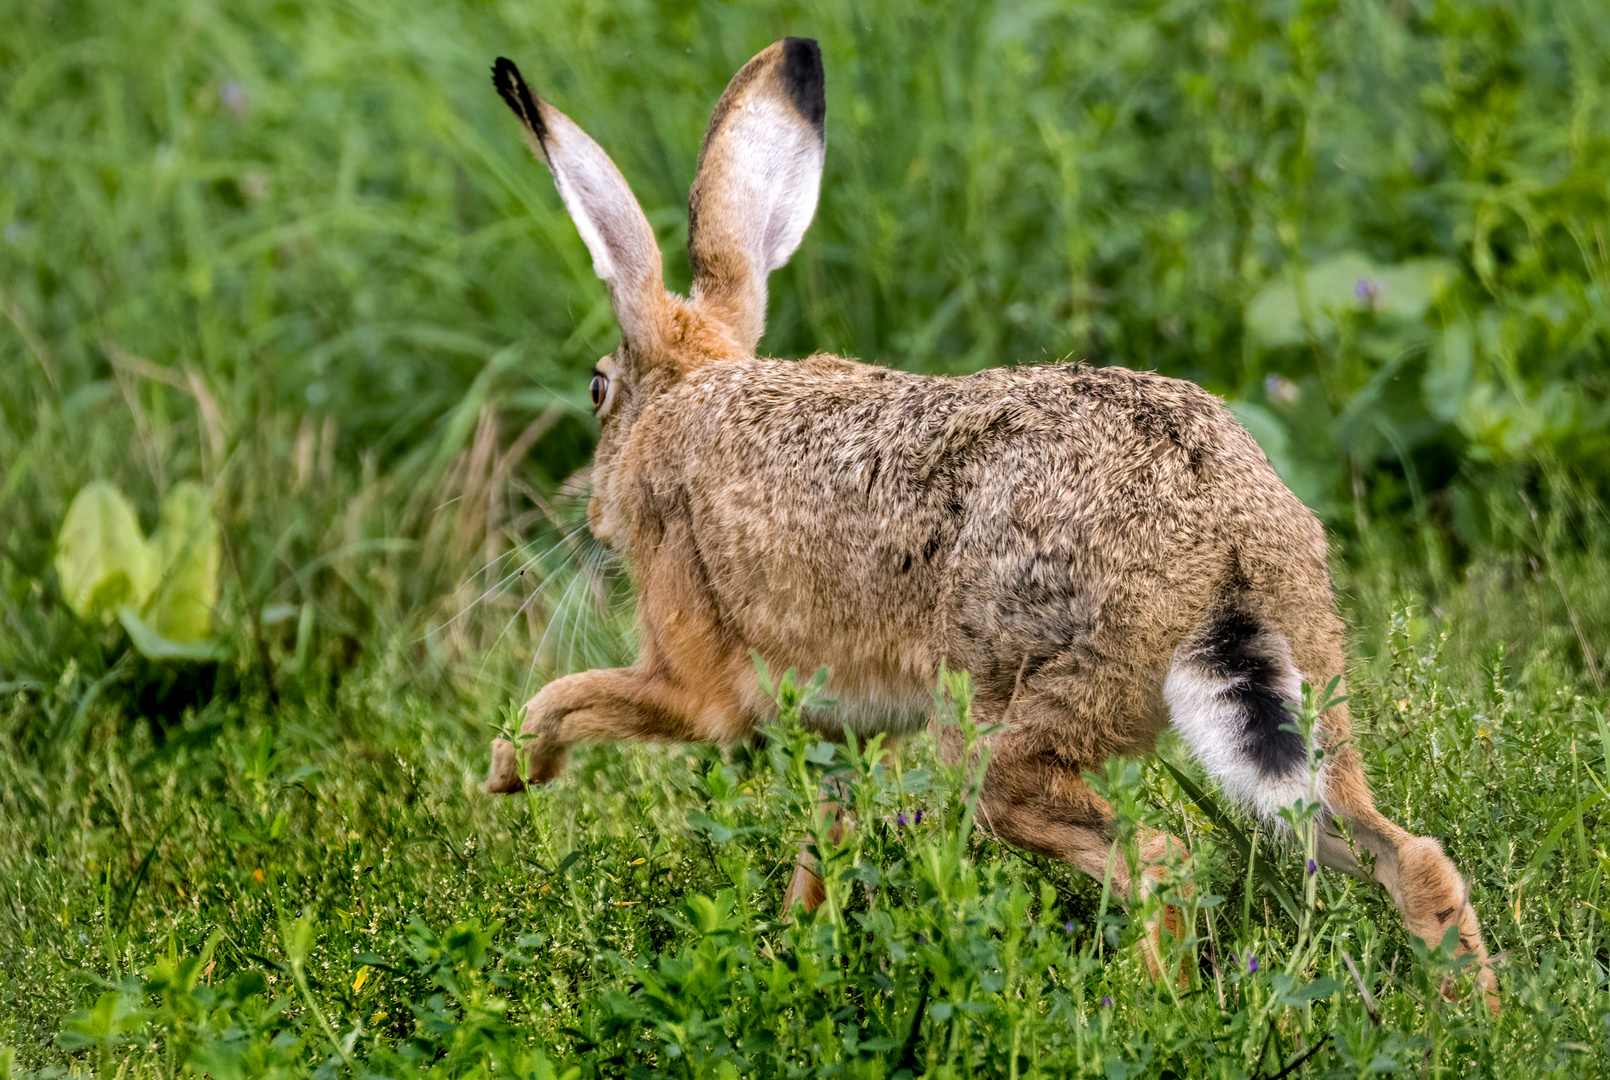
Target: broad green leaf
x=1270 y=433
x=113 y=1015
x=1274 y=316
x=1450 y=374
x=102 y=557
x=1343 y=283
x=821 y=753
x=1409 y=288
x=186 y=541
x=1307 y=481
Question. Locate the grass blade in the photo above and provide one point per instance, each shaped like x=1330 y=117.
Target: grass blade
x=1239 y=839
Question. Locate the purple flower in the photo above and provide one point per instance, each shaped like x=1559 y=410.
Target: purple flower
x=1252 y=964
x=918 y=818
x=1367 y=292
x=1313 y=867
x=900 y=819
x=1068 y=926
x=1106 y=1002
x=1279 y=388
x=234 y=97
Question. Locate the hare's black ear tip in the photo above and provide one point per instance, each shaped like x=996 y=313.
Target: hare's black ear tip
x=512 y=88
x=802 y=75
x=505 y=75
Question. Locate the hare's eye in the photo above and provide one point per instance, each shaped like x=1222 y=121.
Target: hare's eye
x=598 y=388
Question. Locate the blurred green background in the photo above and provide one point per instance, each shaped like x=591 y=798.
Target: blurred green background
x=297 y=252
x=286 y=267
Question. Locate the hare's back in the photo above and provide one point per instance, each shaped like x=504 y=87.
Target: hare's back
x=1040 y=517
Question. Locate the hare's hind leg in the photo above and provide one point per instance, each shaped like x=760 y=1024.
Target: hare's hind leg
x=806 y=886
x=1228 y=692
x=1423 y=883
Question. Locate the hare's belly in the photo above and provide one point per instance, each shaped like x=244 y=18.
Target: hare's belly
x=889 y=713
x=881 y=673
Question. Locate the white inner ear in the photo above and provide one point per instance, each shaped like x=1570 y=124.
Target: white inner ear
x=582 y=188
x=607 y=216
x=775 y=178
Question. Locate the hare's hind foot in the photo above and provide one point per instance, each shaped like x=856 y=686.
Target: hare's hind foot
x=804 y=888
x=1230 y=693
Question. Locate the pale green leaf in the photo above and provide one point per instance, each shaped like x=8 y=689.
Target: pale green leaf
x=1409 y=288
x=102 y=557
x=186 y=541
x=1270 y=433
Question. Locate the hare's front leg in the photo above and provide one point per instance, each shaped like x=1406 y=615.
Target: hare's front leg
x=806 y=886
x=602 y=706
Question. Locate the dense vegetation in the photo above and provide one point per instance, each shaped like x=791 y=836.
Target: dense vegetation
x=282 y=272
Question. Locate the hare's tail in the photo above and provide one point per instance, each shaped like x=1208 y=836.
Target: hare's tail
x=1232 y=691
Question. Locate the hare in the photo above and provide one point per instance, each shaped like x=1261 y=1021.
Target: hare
x=1105 y=551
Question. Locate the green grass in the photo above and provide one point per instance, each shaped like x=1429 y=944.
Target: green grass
x=296 y=253
x=627 y=917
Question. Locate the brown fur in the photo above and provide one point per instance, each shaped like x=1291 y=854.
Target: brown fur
x=1056 y=531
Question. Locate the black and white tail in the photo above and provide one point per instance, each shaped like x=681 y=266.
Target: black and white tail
x=1233 y=691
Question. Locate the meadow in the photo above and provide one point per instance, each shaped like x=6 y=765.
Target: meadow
x=294 y=343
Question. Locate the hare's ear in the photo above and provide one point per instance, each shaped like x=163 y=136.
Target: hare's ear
x=759 y=173
x=606 y=214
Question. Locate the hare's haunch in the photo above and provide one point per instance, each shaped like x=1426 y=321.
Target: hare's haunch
x=1105 y=551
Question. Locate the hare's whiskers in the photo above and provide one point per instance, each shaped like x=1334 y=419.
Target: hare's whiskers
x=499 y=557
x=535 y=559
x=554 y=617
x=520 y=610
x=467 y=608
x=588 y=572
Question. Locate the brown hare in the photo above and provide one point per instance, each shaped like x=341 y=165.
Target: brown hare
x=1105 y=551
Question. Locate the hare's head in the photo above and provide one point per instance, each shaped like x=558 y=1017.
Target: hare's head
x=754 y=194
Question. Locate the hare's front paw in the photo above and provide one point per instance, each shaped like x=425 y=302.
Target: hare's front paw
x=503 y=777
x=513 y=770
